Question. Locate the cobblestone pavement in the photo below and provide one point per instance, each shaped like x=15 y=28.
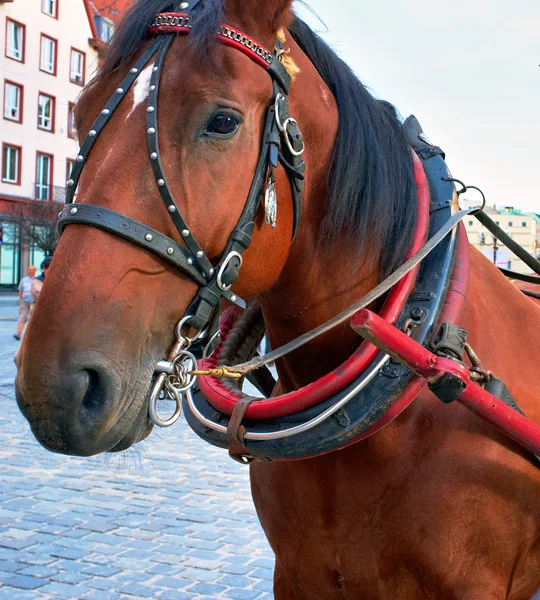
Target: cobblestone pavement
x=171 y=519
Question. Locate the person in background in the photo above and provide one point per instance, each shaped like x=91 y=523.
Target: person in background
x=37 y=283
x=26 y=300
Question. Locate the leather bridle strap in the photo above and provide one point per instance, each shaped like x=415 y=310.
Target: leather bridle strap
x=134 y=231
x=282 y=143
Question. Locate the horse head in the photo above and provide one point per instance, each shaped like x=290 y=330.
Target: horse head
x=112 y=299
x=109 y=308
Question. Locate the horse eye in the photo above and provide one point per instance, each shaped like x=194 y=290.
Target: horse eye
x=225 y=125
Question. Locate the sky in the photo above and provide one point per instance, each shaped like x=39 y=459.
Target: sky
x=469 y=71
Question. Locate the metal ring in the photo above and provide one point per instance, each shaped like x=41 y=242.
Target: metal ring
x=180 y=335
x=154 y=417
x=230 y=256
x=279 y=98
x=206 y=354
x=481 y=208
x=465 y=188
x=288 y=139
x=454 y=180
x=191 y=378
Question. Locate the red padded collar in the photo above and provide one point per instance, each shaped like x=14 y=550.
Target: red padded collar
x=224 y=400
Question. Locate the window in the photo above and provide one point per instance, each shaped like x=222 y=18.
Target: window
x=76 y=72
x=471 y=223
x=48 y=55
x=15 y=34
x=11 y=164
x=482 y=239
x=72 y=131
x=13 y=101
x=43 y=176
x=497 y=223
x=50 y=7
x=46 y=112
x=510 y=223
x=10 y=252
x=524 y=223
x=107 y=29
x=70 y=163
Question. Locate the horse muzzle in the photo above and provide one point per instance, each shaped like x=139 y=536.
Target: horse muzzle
x=86 y=411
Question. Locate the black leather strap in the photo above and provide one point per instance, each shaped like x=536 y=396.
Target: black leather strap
x=534 y=295
x=152 y=134
x=137 y=233
x=129 y=229
x=279 y=73
x=491 y=226
x=520 y=276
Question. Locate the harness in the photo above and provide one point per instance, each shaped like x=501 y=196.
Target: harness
x=382 y=377
x=367 y=391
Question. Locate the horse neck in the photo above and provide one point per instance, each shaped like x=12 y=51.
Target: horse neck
x=314 y=287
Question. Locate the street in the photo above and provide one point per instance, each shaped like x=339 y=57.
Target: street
x=170 y=519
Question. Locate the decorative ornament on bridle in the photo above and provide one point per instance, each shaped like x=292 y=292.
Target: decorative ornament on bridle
x=282 y=143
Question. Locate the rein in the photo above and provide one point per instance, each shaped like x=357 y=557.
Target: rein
x=378 y=291
x=383 y=287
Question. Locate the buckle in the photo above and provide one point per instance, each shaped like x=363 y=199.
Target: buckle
x=224 y=286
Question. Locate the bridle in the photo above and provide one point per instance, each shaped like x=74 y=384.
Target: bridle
x=282 y=143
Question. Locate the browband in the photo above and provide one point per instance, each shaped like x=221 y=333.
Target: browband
x=180 y=24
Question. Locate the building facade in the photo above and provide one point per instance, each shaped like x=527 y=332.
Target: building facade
x=108 y=14
x=48 y=52
x=521 y=227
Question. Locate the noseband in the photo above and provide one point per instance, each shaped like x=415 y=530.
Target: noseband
x=282 y=143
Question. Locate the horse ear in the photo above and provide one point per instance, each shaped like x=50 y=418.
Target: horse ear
x=262 y=19
x=279 y=15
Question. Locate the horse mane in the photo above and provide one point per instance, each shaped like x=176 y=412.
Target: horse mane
x=371 y=187
x=371 y=190
x=133 y=31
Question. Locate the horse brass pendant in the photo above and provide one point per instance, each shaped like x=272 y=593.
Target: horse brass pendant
x=270 y=204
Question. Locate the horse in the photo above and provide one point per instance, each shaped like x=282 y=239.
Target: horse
x=437 y=504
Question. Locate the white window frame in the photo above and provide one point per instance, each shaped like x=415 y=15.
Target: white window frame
x=15 y=33
x=77 y=63
x=45 y=122
x=48 y=47
x=52 y=4
x=13 y=104
x=70 y=163
x=5 y=167
x=43 y=188
x=106 y=26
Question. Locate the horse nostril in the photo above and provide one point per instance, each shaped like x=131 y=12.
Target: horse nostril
x=94 y=396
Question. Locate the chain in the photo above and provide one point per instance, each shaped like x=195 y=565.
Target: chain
x=176 y=376
x=478 y=373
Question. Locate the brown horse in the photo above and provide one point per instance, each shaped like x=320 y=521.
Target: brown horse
x=436 y=505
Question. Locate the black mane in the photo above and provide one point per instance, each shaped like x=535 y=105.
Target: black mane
x=371 y=180
x=371 y=183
